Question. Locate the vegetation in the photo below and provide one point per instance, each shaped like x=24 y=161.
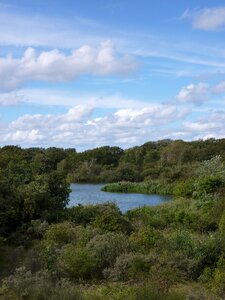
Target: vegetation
x=147 y=187
x=172 y=251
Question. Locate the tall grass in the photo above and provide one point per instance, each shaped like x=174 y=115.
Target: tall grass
x=148 y=187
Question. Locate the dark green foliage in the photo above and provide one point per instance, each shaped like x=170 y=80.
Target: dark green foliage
x=172 y=251
x=87 y=214
x=208 y=184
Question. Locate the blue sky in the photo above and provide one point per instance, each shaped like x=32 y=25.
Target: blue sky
x=120 y=72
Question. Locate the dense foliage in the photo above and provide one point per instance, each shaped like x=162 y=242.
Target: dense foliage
x=171 y=251
x=165 y=161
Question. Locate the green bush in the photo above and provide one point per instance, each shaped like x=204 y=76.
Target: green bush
x=61 y=234
x=112 y=221
x=207 y=185
x=130 y=266
x=145 y=238
x=85 y=214
x=184 y=188
x=77 y=263
x=106 y=247
x=218 y=283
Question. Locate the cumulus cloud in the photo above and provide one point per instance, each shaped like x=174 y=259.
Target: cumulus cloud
x=55 y=66
x=208 y=19
x=75 y=114
x=29 y=135
x=212 y=124
x=193 y=93
x=77 y=127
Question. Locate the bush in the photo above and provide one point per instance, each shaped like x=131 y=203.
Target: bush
x=181 y=241
x=145 y=238
x=25 y=285
x=184 y=188
x=37 y=229
x=207 y=185
x=112 y=221
x=218 y=284
x=106 y=247
x=61 y=234
x=129 y=266
x=84 y=215
x=77 y=263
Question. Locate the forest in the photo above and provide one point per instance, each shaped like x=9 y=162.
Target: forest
x=175 y=250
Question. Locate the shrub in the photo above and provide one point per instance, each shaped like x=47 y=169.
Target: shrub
x=61 y=234
x=184 y=188
x=25 y=285
x=84 y=215
x=145 y=238
x=37 y=228
x=130 y=266
x=112 y=221
x=77 y=263
x=207 y=185
x=106 y=247
x=218 y=284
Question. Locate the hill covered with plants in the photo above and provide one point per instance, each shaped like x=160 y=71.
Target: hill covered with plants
x=172 y=251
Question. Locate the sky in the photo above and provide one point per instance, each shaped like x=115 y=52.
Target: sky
x=90 y=73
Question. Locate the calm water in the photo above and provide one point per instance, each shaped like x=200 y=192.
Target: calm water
x=92 y=194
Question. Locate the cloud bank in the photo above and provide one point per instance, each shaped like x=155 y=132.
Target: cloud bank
x=55 y=66
x=78 y=127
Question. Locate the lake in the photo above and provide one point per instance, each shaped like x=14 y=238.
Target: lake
x=92 y=194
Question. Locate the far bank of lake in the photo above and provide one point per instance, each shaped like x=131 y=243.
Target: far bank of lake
x=92 y=194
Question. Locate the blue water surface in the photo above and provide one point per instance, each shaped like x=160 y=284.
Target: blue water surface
x=92 y=194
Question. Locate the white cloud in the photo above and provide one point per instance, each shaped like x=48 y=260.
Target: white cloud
x=30 y=136
x=11 y=99
x=220 y=88
x=75 y=114
x=62 y=33
x=200 y=126
x=200 y=93
x=193 y=93
x=212 y=124
x=79 y=128
x=125 y=127
x=208 y=19
x=55 y=66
